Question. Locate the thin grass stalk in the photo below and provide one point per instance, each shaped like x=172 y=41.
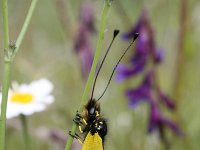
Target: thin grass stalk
x=88 y=86
x=10 y=51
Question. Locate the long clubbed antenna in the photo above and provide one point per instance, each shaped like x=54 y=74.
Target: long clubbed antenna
x=115 y=33
x=134 y=38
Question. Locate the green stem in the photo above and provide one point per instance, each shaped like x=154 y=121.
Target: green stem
x=9 y=55
x=93 y=68
x=5 y=24
x=27 y=139
x=25 y=26
x=6 y=76
x=6 y=83
x=64 y=15
x=96 y=56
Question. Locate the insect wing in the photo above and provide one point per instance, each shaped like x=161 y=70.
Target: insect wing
x=92 y=142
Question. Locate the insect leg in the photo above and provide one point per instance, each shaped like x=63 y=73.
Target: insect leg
x=76 y=136
x=80 y=129
x=78 y=119
x=84 y=121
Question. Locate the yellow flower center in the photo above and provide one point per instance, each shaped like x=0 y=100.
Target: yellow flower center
x=23 y=98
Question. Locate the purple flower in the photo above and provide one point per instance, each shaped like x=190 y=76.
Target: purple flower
x=141 y=93
x=124 y=72
x=145 y=49
x=142 y=22
x=84 y=51
x=158 y=56
x=82 y=45
x=87 y=17
x=144 y=61
x=166 y=100
x=158 y=122
x=138 y=62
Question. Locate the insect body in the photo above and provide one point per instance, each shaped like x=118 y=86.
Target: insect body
x=95 y=128
x=91 y=123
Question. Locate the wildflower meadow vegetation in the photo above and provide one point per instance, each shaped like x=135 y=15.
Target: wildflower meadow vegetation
x=50 y=67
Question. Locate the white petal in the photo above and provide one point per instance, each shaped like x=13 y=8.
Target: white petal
x=24 y=88
x=49 y=99
x=12 y=114
x=44 y=99
x=41 y=87
x=28 y=110
x=12 y=111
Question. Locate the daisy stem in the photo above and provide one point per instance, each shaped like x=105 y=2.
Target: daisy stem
x=6 y=83
x=93 y=68
x=10 y=51
x=27 y=139
x=6 y=75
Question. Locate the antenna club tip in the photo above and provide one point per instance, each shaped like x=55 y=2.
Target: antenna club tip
x=115 y=33
x=135 y=36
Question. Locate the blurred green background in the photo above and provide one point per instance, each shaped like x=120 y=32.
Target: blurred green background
x=47 y=51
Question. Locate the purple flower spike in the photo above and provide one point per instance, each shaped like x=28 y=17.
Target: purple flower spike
x=145 y=58
x=82 y=44
x=84 y=51
x=158 y=122
x=137 y=95
x=173 y=126
x=138 y=62
x=124 y=72
x=145 y=49
x=142 y=93
x=158 y=56
x=149 y=79
x=82 y=39
x=87 y=17
x=153 y=119
x=143 y=20
x=167 y=101
x=86 y=61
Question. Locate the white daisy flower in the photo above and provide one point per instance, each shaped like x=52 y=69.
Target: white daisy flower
x=27 y=99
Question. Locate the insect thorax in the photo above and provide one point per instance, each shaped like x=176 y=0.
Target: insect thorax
x=95 y=122
x=92 y=110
